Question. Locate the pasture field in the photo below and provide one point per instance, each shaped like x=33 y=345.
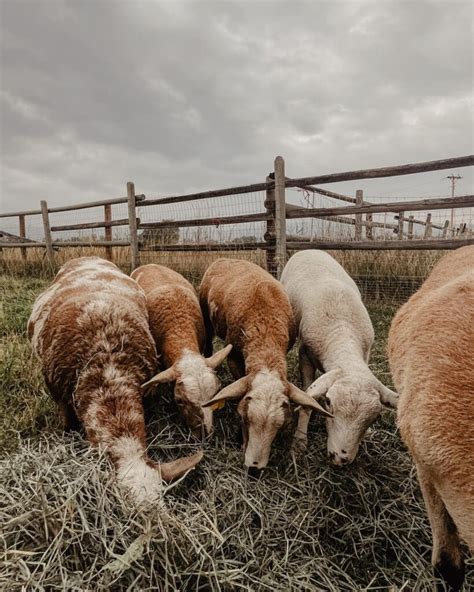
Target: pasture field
x=303 y=526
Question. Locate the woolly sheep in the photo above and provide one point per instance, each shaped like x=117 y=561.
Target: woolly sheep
x=430 y=346
x=177 y=327
x=90 y=332
x=336 y=336
x=245 y=306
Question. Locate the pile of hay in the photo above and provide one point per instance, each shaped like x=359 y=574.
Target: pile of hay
x=302 y=526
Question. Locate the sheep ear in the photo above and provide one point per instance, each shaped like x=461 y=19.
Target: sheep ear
x=301 y=398
x=178 y=467
x=387 y=396
x=236 y=390
x=218 y=357
x=167 y=375
x=322 y=384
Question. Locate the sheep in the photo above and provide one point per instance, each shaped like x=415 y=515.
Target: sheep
x=177 y=326
x=245 y=306
x=336 y=336
x=430 y=349
x=90 y=331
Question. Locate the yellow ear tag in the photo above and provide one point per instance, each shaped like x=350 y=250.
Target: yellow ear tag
x=218 y=405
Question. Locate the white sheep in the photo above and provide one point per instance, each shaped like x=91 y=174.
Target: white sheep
x=336 y=336
x=90 y=332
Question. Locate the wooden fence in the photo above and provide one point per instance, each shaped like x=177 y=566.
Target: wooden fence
x=276 y=211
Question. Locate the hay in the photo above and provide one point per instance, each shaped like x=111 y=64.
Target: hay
x=302 y=526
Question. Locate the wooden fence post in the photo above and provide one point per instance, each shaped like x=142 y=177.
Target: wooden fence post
x=132 y=223
x=410 y=227
x=21 y=218
x=358 y=217
x=269 y=235
x=108 y=231
x=445 y=229
x=368 y=227
x=401 y=217
x=428 y=229
x=280 y=215
x=47 y=232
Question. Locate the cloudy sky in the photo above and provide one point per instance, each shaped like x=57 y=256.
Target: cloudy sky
x=181 y=96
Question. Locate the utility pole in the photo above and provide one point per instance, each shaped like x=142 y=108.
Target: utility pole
x=453 y=178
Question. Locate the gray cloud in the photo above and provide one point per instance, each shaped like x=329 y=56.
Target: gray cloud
x=180 y=96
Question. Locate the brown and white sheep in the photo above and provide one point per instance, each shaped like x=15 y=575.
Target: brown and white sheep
x=90 y=332
x=245 y=306
x=430 y=346
x=177 y=326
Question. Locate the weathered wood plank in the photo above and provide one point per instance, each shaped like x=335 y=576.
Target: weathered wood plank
x=260 y=217
x=462 y=201
x=358 y=217
x=207 y=247
x=280 y=215
x=132 y=223
x=47 y=232
x=397 y=245
x=420 y=222
x=79 y=206
x=269 y=236
x=105 y=224
x=406 y=169
x=97 y=243
x=22 y=229
x=393 y=171
x=109 y=253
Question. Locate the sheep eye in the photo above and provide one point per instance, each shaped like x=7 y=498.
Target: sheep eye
x=327 y=401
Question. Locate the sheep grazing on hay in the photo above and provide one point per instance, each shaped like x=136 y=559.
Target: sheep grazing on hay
x=90 y=331
x=177 y=326
x=431 y=357
x=245 y=306
x=336 y=337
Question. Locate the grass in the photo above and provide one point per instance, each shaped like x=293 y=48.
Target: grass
x=303 y=526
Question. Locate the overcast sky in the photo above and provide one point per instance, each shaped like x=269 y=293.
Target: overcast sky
x=182 y=96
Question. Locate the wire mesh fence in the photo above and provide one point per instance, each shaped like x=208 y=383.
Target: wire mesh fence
x=214 y=232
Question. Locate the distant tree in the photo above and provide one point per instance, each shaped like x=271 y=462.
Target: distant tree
x=161 y=236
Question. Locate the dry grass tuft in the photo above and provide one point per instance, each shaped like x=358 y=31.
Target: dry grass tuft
x=303 y=526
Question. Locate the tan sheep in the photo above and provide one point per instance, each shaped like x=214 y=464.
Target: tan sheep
x=430 y=346
x=177 y=326
x=90 y=332
x=245 y=306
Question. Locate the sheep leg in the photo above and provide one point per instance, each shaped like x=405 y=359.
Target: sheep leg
x=71 y=421
x=64 y=401
x=446 y=556
x=307 y=371
x=208 y=348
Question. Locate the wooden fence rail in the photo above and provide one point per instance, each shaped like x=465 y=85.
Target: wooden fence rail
x=86 y=225
x=463 y=201
x=394 y=171
x=79 y=206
